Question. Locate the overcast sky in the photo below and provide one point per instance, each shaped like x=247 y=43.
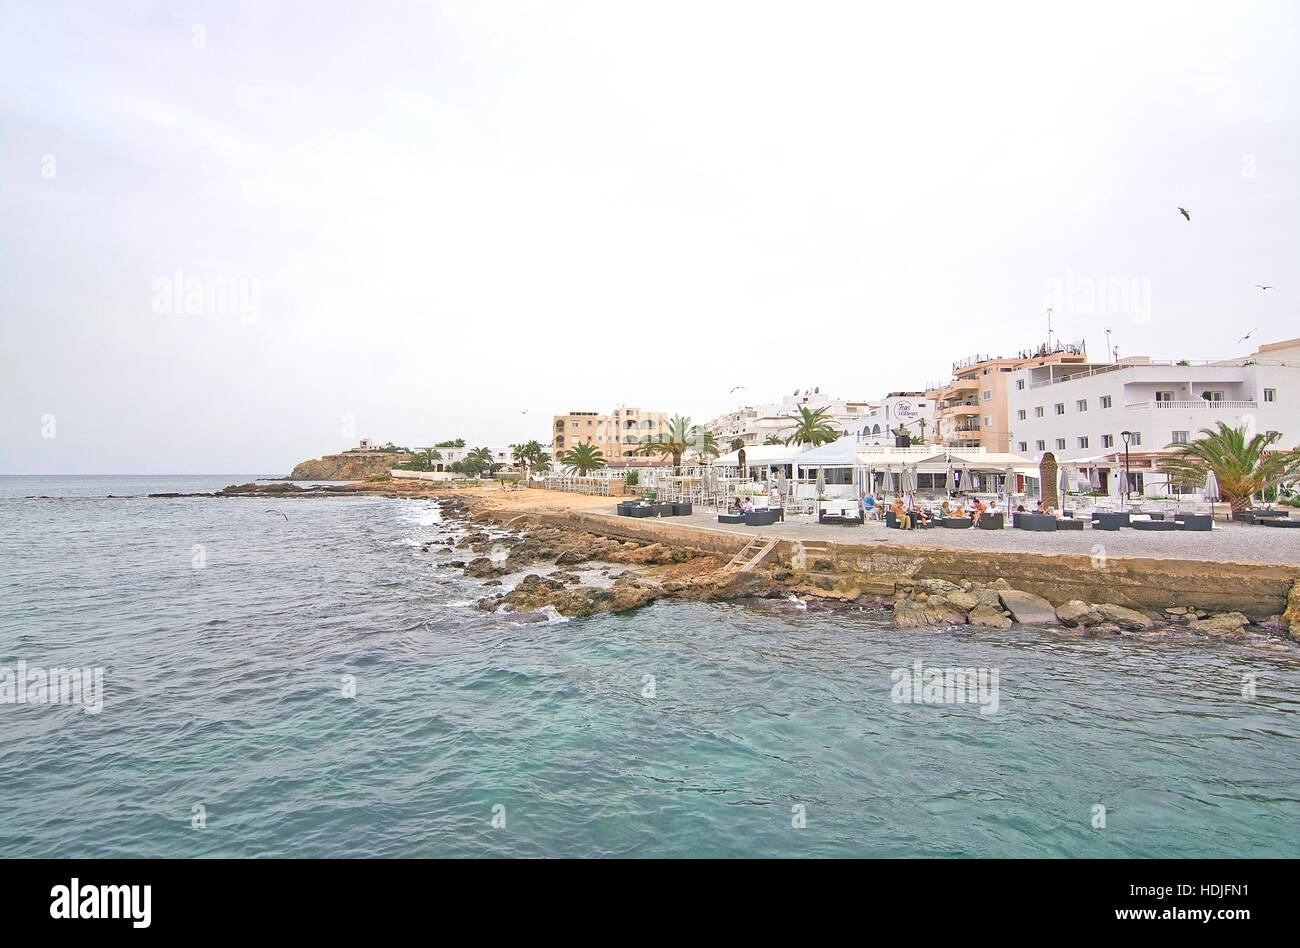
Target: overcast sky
x=447 y=213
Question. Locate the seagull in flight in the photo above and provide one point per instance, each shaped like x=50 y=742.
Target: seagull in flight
x=1183 y=211
x=280 y=512
x=735 y=388
x=1263 y=287
x=524 y=411
x=1248 y=335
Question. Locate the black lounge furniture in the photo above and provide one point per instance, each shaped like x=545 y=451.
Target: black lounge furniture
x=1036 y=522
x=1069 y=524
x=1154 y=524
x=682 y=510
x=1198 y=522
x=1109 y=521
x=731 y=518
x=955 y=523
x=1280 y=522
x=763 y=518
x=991 y=521
x=1261 y=516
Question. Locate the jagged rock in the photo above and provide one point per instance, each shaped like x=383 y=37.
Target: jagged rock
x=1128 y=619
x=1292 y=614
x=1026 y=608
x=965 y=601
x=910 y=614
x=1176 y=611
x=493 y=582
x=570 y=557
x=1076 y=612
x=566 y=578
x=1223 y=623
x=988 y=617
x=482 y=568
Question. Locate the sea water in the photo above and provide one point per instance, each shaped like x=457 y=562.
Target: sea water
x=296 y=677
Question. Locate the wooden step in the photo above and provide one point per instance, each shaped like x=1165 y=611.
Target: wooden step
x=751 y=555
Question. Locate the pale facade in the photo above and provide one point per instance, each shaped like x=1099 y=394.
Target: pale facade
x=754 y=424
x=1079 y=414
x=617 y=434
x=972 y=410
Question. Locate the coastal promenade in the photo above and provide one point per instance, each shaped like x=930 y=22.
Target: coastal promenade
x=1233 y=568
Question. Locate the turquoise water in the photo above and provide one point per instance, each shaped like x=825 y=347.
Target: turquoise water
x=223 y=688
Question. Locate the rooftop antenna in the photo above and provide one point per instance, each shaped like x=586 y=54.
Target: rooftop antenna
x=1109 y=350
x=1049 y=329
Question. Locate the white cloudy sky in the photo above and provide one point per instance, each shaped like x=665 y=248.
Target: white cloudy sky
x=458 y=211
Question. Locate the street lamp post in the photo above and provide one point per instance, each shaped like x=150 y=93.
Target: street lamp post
x=1128 y=482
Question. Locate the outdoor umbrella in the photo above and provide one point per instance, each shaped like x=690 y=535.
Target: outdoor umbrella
x=1008 y=485
x=821 y=481
x=1211 y=487
x=909 y=485
x=1094 y=479
x=1117 y=479
x=781 y=482
x=1064 y=486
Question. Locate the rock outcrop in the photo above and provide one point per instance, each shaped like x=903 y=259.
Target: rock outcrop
x=349 y=466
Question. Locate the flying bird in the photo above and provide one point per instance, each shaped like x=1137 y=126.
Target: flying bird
x=280 y=512
x=1263 y=287
x=524 y=411
x=1248 y=335
x=735 y=388
x=1183 y=211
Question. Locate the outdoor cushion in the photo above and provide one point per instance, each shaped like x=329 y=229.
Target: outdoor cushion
x=1069 y=524
x=1154 y=525
x=1194 y=521
x=1035 y=522
x=731 y=518
x=1279 y=522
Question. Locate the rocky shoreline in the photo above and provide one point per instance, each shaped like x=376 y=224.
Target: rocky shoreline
x=500 y=543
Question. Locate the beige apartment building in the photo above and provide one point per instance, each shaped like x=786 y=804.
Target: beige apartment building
x=972 y=411
x=617 y=434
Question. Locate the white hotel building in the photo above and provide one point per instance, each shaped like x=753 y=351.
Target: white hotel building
x=870 y=421
x=1079 y=412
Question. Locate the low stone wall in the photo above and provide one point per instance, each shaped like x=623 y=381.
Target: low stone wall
x=1257 y=591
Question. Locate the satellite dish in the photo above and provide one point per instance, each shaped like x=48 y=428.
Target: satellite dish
x=817 y=389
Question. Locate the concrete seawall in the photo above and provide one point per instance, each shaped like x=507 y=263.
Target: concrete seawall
x=1258 y=591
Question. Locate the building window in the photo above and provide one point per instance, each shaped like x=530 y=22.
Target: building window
x=1024 y=447
x=1020 y=385
x=1270 y=394
x=1212 y=396
x=1108 y=441
x=1038 y=411
x=1164 y=396
x=1136 y=439
x=988 y=394
x=1083 y=443
x=1042 y=445
x=1060 y=408
x=575 y=424
x=1020 y=415
x=1060 y=444
x=1081 y=404
x=1105 y=401
x=1180 y=437
x=988 y=421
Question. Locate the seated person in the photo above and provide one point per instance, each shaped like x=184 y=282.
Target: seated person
x=866 y=505
x=979 y=510
x=904 y=522
x=960 y=511
x=1020 y=508
x=945 y=510
x=747 y=505
x=735 y=506
x=919 y=516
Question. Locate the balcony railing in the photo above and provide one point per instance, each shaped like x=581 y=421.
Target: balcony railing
x=1196 y=404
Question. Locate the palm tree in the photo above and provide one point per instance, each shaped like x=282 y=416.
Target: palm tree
x=773 y=439
x=737 y=443
x=583 y=458
x=1243 y=468
x=679 y=437
x=812 y=427
x=426 y=458
x=530 y=456
x=480 y=460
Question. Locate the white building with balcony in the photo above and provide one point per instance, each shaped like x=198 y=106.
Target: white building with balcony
x=1079 y=413
x=870 y=420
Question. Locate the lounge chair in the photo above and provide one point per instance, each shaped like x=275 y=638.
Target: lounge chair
x=1153 y=524
x=1101 y=520
x=1280 y=522
x=1198 y=522
x=1039 y=523
x=731 y=518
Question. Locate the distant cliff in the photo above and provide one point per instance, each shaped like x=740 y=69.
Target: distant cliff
x=352 y=466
